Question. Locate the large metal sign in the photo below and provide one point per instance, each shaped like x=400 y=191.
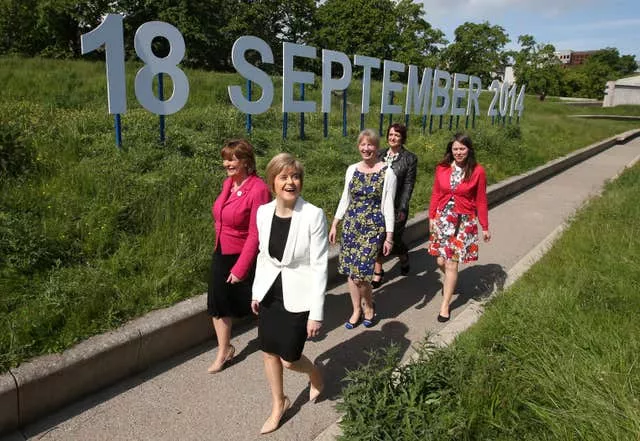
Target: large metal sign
x=432 y=92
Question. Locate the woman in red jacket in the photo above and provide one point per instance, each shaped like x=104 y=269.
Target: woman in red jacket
x=458 y=201
x=236 y=247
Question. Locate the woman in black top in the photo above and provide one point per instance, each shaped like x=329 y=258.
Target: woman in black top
x=290 y=282
x=405 y=165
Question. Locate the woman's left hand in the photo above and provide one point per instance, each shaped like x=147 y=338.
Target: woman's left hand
x=313 y=328
x=387 y=247
x=486 y=235
x=233 y=279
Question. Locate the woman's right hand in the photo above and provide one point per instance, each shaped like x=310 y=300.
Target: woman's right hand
x=332 y=235
x=255 y=306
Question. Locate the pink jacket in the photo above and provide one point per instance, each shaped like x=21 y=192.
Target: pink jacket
x=469 y=197
x=235 y=221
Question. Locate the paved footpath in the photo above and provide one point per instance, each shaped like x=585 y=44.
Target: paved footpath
x=178 y=400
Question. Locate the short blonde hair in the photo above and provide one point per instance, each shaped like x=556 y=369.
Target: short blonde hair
x=280 y=162
x=370 y=134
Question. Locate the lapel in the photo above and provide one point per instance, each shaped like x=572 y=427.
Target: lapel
x=241 y=194
x=293 y=232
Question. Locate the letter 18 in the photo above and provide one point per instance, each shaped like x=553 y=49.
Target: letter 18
x=110 y=34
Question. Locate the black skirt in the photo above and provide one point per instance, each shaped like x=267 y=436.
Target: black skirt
x=226 y=299
x=281 y=332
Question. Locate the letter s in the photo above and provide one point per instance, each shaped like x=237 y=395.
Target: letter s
x=252 y=73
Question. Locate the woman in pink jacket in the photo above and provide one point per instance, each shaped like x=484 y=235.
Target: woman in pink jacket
x=236 y=246
x=458 y=202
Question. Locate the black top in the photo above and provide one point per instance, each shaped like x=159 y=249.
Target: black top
x=277 y=241
x=405 y=167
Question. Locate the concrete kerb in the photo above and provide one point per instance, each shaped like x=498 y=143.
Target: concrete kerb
x=9 y=417
x=46 y=383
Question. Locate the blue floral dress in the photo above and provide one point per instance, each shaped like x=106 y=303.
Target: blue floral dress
x=363 y=230
x=455 y=236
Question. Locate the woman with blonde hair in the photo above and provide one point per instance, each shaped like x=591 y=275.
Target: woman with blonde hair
x=367 y=208
x=290 y=282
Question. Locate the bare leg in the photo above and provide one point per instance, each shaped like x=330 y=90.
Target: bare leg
x=305 y=366
x=222 y=325
x=356 y=298
x=279 y=403
x=440 y=263
x=450 y=280
x=366 y=294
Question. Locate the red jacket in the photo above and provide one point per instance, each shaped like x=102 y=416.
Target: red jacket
x=235 y=221
x=469 y=197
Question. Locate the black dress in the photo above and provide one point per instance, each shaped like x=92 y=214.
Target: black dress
x=280 y=332
x=227 y=299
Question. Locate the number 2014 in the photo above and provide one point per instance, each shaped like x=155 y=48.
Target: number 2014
x=506 y=100
x=110 y=34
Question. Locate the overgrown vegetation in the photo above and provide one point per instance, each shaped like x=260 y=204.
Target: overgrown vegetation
x=553 y=358
x=91 y=236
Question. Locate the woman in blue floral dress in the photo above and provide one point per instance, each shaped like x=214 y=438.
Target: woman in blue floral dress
x=368 y=211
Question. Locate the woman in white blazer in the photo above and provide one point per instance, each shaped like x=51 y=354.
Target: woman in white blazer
x=368 y=211
x=290 y=281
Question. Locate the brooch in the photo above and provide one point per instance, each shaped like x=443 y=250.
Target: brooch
x=239 y=193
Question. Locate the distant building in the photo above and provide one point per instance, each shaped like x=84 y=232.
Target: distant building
x=573 y=58
x=563 y=56
x=625 y=91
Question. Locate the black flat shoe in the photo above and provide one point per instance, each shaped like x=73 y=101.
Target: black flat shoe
x=443 y=319
x=378 y=283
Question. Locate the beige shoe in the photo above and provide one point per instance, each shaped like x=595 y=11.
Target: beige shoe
x=215 y=368
x=270 y=425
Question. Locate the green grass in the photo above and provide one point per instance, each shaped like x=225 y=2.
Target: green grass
x=555 y=357
x=91 y=236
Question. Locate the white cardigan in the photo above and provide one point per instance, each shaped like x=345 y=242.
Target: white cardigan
x=304 y=264
x=388 y=196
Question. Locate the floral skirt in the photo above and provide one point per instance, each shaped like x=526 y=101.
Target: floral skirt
x=454 y=237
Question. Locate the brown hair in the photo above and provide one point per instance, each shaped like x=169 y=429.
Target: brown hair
x=243 y=151
x=469 y=163
x=280 y=162
x=401 y=129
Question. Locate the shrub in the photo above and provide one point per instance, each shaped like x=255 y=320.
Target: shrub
x=16 y=153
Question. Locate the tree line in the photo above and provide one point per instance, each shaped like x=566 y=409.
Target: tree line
x=387 y=29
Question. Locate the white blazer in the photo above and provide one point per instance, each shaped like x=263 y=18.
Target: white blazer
x=304 y=263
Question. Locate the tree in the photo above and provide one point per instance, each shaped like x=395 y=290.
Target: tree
x=47 y=27
x=537 y=66
x=378 y=28
x=478 y=49
x=589 y=80
x=364 y=27
x=416 y=41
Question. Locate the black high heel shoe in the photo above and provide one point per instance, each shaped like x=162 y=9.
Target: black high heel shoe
x=443 y=319
x=378 y=283
x=404 y=265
